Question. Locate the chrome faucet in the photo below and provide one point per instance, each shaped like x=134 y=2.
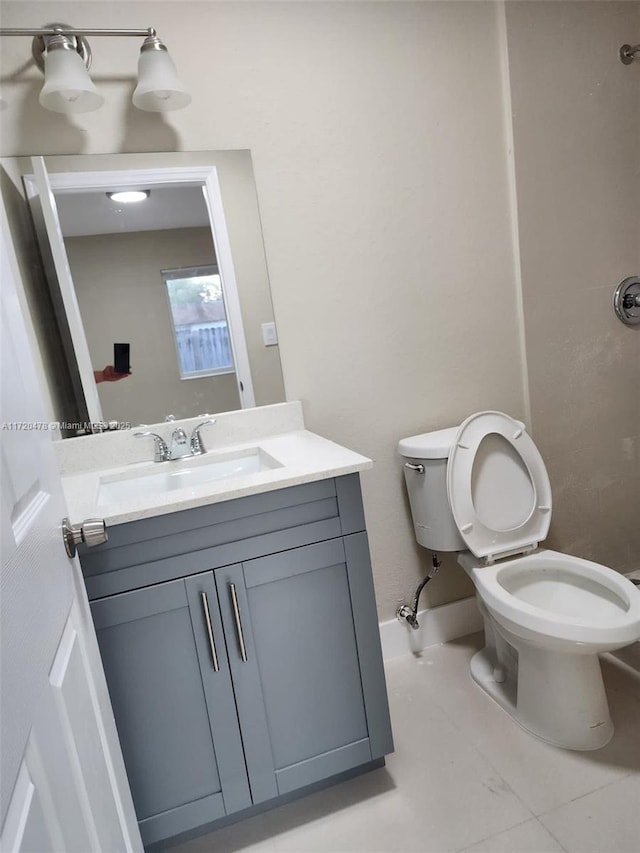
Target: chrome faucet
x=197 y=445
x=179 y=444
x=181 y=447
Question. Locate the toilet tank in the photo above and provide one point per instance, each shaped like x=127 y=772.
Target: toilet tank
x=433 y=522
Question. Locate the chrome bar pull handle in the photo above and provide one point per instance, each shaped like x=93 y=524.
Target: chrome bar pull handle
x=236 y=614
x=207 y=619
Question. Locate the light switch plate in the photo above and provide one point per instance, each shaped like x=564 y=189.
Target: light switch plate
x=269 y=335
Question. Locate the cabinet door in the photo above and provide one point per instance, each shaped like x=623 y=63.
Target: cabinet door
x=295 y=662
x=172 y=704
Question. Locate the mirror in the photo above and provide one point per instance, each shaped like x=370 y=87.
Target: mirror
x=180 y=276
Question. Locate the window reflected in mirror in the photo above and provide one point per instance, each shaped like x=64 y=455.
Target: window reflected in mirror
x=200 y=326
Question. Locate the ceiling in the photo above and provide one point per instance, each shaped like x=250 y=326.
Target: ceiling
x=85 y=213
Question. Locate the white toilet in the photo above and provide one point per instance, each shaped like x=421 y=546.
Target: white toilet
x=483 y=489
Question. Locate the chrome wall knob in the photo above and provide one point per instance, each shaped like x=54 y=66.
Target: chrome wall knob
x=92 y=531
x=626 y=301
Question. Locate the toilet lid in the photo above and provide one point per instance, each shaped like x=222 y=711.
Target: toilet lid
x=498 y=486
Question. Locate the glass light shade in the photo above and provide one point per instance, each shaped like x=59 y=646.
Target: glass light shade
x=67 y=85
x=158 y=89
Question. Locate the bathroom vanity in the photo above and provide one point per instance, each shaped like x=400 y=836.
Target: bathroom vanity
x=240 y=640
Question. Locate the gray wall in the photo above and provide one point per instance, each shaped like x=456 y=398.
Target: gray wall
x=380 y=135
x=577 y=155
x=122 y=297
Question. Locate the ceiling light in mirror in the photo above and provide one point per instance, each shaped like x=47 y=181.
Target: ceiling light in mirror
x=129 y=196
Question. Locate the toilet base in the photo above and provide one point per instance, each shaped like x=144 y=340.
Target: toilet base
x=559 y=698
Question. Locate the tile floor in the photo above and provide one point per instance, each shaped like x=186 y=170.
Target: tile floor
x=465 y=777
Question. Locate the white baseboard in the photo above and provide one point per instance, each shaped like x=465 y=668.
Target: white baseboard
x=437 y=625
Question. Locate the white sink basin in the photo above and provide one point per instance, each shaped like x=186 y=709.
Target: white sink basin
x=183 y=474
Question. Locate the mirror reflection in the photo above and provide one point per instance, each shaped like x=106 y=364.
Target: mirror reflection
x=179 y=276
x=144 y=275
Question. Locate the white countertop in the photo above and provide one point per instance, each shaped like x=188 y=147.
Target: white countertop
x=304 y=457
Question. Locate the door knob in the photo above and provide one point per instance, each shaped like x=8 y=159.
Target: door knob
x=92 y=532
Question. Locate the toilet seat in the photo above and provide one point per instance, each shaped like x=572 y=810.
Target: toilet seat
x=613 y=622
x=498 y=487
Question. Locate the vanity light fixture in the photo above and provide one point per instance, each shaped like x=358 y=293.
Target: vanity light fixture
x=64 y=55
x=158 y=86
x=129 y=196
x=67 y=85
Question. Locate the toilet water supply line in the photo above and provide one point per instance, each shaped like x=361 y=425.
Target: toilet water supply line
x=410 y=614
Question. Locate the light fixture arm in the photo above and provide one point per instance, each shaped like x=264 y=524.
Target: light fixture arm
x=61 y=36
x=54 y=29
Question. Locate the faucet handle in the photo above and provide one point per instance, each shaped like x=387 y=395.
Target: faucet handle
x=160 y=445
x=197 y=445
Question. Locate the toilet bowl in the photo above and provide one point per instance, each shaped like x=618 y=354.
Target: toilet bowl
x=558 y=613
x=482 y=489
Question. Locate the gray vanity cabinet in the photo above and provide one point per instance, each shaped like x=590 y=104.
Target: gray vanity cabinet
x=296 y=671
x=237 y=682
x=175 y=713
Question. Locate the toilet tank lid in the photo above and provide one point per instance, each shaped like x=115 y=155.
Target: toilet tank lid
x=429 y=445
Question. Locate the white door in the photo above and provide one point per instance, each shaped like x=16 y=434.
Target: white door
x=63 y=786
